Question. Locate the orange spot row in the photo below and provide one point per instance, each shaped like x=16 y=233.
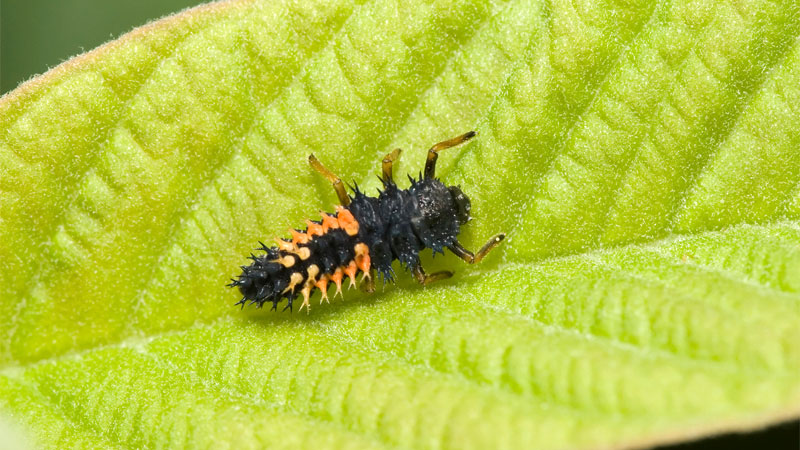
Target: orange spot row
x=336 y=277
x=344 y=220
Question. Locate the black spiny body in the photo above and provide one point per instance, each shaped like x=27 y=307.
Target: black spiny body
x=364 y=235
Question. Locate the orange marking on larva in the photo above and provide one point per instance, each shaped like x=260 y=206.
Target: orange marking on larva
x=298 y=237
x=306 y=291
x=346 y=221
x=350 y=271
x=329 y=222
x=314 y=229
x=337 y=279
x=294 y=280
x=285 y=246
x=322 y=285
x=312 y=271
x=286 y=260
x=303 y=252
x=362 y=257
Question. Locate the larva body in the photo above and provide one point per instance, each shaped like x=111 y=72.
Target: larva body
x=364 y=235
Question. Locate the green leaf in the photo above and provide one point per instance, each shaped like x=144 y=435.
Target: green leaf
x=641 y=156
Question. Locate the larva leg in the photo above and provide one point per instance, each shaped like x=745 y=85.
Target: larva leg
x=433 y=153
x=338 y=186
x=425 y=279
x=369 y=282
x=386 y=166
x=471 y=258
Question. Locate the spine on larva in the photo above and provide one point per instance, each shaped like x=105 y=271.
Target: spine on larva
x=326 y=251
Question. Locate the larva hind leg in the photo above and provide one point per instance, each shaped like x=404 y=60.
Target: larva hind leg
x=338 y=186
x=369 y=282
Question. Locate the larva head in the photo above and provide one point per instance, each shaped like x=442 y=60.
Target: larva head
x=463 y=205
x=440 y=211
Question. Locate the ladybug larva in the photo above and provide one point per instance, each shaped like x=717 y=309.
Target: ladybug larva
x=365 y=234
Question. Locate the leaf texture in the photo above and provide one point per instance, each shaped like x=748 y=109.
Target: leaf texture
x=642 y=157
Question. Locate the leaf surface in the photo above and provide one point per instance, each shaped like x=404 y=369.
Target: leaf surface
x=642 y=158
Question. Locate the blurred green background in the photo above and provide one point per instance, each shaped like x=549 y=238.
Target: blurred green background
x=36 y=35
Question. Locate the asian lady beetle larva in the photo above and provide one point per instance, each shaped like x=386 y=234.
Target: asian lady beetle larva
x=363 y=235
